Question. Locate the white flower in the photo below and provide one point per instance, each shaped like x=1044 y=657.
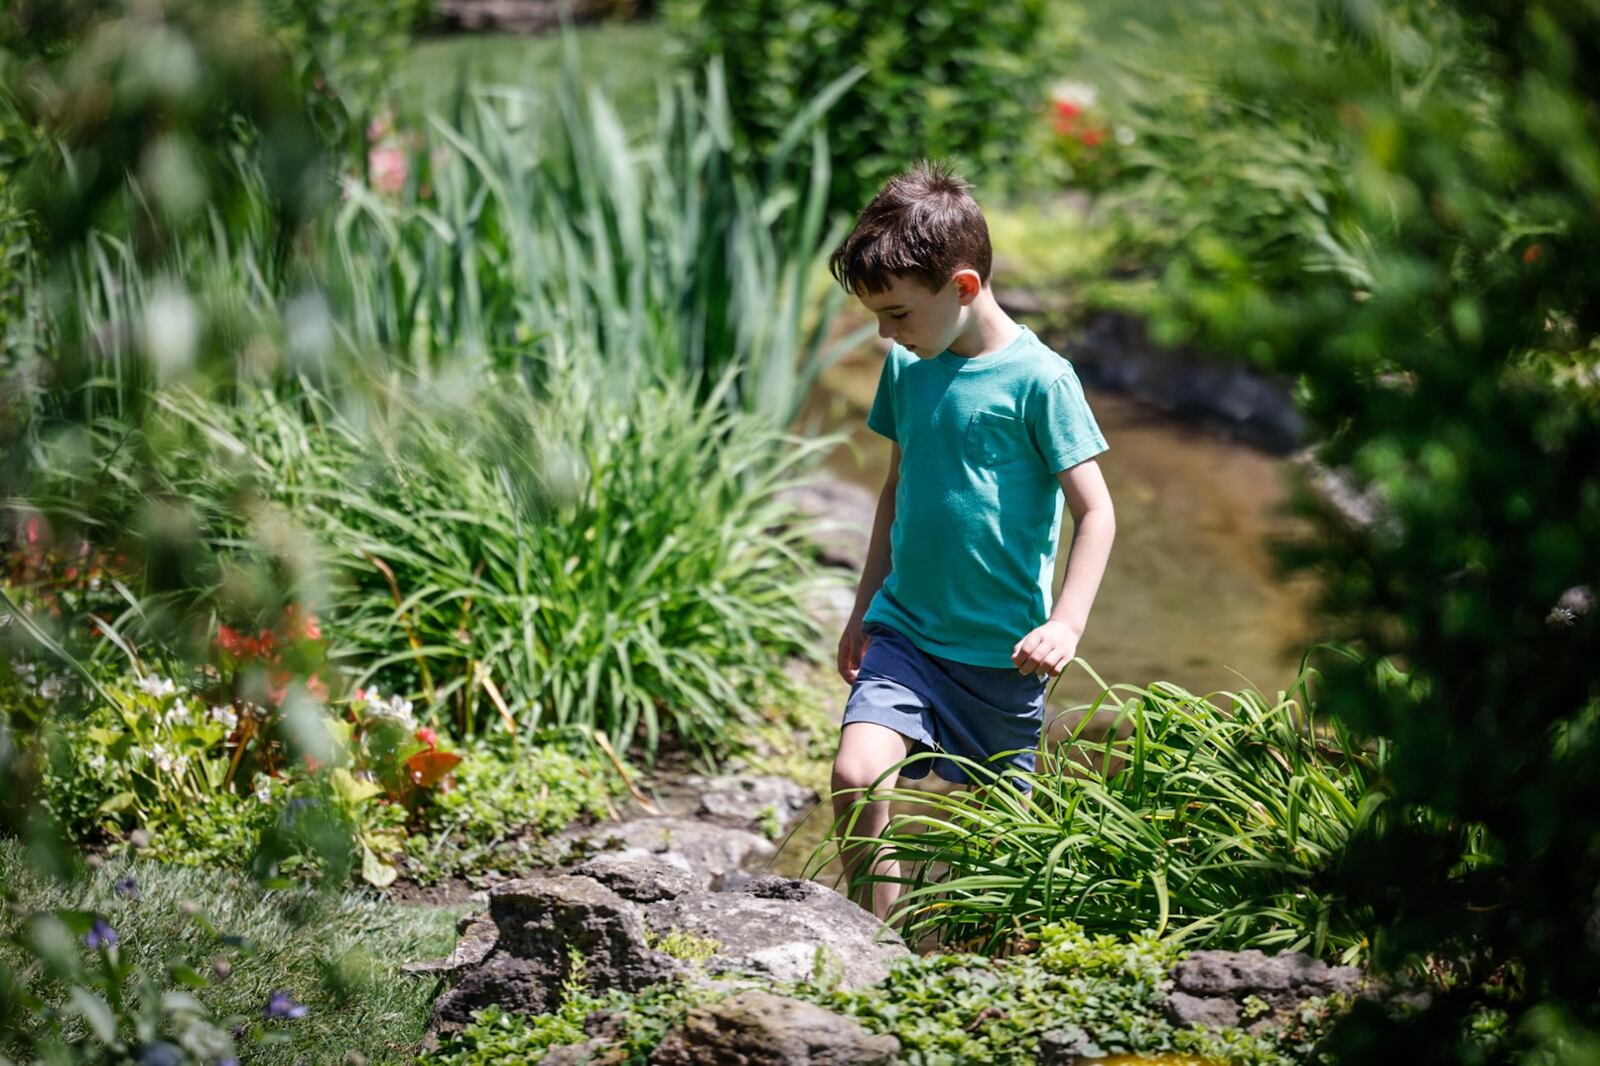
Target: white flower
x=1079 y=93
x=396 y=707
x=164 y=759
x=264 y=793
x=98 y=763
x=27 y=673
x=225 y=716
x=157 y=686
x=1126 y=136
x=52 y=687
x=178 y=713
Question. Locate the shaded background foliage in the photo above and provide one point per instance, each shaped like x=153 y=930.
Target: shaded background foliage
x=960 y=79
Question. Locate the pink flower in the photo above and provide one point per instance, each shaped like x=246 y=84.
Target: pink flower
x=387 y=167
x=428 y=736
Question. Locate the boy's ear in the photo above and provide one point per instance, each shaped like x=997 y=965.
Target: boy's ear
x=968 y=285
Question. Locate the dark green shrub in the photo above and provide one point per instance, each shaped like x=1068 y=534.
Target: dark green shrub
x=958 y=78
x=1448 y=367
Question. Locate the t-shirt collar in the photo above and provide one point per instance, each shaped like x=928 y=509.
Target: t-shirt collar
x=979 y=362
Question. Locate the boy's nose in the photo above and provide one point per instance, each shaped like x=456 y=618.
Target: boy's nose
x=886 y=331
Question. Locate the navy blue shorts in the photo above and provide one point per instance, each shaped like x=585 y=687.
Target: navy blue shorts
x=982 y=713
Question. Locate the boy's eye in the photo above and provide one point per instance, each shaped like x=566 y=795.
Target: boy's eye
x=901 y=315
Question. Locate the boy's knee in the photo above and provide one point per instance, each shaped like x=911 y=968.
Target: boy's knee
x=854 y=773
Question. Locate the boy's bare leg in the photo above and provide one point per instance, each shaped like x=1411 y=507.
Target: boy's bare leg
x=866 y=750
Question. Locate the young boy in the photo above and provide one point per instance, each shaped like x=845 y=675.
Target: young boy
x=953 y=637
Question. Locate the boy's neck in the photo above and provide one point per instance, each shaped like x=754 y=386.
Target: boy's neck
x=988 y=328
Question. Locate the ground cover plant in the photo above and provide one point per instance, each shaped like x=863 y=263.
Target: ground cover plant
x=305 y=976
x=1100 y=993
x=1211 y=821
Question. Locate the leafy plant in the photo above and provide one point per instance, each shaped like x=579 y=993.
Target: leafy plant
x=1215 y=821
x=508 y=794
x=643 y=576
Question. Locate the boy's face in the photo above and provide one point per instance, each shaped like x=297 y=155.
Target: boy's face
x=925 y=322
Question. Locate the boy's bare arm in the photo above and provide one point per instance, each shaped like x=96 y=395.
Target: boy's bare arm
x=873 y=572
x=1049 y=648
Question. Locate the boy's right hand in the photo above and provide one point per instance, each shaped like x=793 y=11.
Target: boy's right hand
x=852 y=644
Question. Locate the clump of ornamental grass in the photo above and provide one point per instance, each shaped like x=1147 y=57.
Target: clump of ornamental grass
x=620 y=560
x=1212 y=821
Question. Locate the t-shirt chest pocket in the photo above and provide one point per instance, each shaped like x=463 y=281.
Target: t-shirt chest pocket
x=992 y=439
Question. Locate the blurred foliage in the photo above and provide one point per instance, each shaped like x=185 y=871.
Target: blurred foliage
x=948 y=78
x=523 y=225
x=307 y=976
x=1408 y=228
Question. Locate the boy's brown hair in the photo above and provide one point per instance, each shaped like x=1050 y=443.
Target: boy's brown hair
x=922 y=224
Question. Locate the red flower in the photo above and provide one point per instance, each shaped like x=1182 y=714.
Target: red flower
x=428 y=737
x=1092 y=136
x=230 y=641
x=1532 y=254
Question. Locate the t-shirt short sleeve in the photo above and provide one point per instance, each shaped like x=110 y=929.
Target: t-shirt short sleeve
x=881 y=418
x=1063 y=427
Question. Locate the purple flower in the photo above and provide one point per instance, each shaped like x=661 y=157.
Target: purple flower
x=279 y=1005
x=100 y=935
x=126 y=887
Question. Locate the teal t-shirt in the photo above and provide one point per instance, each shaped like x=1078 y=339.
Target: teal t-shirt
x=978 y=507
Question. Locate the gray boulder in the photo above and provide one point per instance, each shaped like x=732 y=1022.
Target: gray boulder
x=744 y=801
x=538 y=922
x=1250 y=973
x=760 y=1029
x=642 y=876
x=1183 y=1009
x=775 y=926
x=1211 y=987
x=712 y=852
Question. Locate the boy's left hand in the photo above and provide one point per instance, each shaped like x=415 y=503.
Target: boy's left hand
x=1046 y=651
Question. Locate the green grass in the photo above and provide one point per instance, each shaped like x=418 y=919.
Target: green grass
x=340 y=955
x=623 y=60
